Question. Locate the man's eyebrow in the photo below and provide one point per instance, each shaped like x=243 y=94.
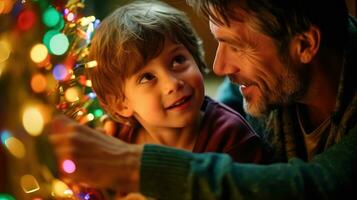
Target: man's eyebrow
x=229 y=40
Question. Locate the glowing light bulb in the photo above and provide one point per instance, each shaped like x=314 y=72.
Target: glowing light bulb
x=72 y=94
x=15 y=147
x=38 y=83
x=59 y=44
x=33 y=121
x=38 y=53
x=61 y=189
x=68 y=166
x=29 y=184
x=4 y=50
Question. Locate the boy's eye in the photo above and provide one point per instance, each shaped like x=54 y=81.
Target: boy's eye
x=178 y=61
x=146 y=77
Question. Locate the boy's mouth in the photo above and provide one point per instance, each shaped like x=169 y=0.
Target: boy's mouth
x=179 y=102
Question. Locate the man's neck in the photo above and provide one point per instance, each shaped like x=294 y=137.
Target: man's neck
x=320 y=99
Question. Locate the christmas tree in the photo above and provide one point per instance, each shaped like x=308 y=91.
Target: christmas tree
x=43 y=71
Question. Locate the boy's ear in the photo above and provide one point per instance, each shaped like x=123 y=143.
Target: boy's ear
x=124 y=109
x=307 y=44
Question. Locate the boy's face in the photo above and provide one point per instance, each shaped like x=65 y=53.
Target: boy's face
x=167 y=92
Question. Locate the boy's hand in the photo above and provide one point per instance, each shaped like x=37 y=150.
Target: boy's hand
x=100 y=161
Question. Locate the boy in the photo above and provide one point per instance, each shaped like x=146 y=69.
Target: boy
x=149 y=78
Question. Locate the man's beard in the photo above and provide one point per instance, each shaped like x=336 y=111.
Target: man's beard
x=290 y=87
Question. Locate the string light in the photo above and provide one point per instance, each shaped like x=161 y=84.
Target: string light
x=68 y=166
x=29 y=184
x=60 y=77
x=4 y=50
x=33 y=121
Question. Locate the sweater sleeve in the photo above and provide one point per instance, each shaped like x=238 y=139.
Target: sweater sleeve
x=175 y=174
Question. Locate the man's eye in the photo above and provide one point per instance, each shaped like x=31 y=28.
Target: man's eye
x=146 y=78
x=178 y=61
x=234 y=48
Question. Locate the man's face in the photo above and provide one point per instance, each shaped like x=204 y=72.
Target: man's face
x=251 y=59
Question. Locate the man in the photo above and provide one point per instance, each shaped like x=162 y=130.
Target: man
x=294 y=63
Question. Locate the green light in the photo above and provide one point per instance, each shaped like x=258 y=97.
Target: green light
x=6 y=197
x=60 y=24
x=59 y=44
x=47 y=38
x=98 y=113
x=51 y=17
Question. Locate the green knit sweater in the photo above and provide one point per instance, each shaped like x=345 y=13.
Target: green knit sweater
x=175 y=174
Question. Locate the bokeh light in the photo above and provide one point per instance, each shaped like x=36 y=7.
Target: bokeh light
x=26 y=20
x=15 y=147
x=38 y=83
x=60 y=189
x=92 y=95
x=29 y=184
x=68 y=166
x=88 y=83
x=90 y=117
x=4 y=50
x=48 y=36
x=91 y=64
x=60 y=72
x=4 y=136
x=59 y=44
x=4 y=196
x=98 y=112
x=51 y=17
x=33 y=121
x=38 y=53
x=72 y=94
x=70 y=17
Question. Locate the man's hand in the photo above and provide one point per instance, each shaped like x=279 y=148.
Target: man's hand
x=100 y=161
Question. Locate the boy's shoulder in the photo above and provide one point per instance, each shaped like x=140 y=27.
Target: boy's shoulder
x=220 y=117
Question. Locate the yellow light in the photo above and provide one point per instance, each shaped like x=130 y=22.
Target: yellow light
x=90 y=117
x=15 y=147
x=39 y=53
x=60 y=189
x=80 y=113
x=88 y=83
x=86 y=20
x=72 y=94
x=91 y=64
x=4 y=50
x=33 y=121
x=29 y=184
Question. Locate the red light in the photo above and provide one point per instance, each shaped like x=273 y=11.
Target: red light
x=26 y=20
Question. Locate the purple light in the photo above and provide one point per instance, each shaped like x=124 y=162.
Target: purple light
x=87 y=197
x=68 y=166
x=60 y=72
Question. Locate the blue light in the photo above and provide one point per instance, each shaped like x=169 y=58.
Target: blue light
x=92 y=95
x=4 y=136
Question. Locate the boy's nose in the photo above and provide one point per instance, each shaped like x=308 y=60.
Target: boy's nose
x=172 y=84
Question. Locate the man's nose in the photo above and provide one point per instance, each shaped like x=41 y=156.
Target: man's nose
x=223 y=61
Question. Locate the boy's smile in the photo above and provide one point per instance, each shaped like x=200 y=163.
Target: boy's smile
x=167 y=92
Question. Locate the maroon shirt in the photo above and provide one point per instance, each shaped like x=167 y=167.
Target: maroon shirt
x=226 y=131
x=222 y=130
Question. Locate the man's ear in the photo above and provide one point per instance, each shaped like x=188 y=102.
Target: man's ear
x=307 y=44
x=124 y=109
